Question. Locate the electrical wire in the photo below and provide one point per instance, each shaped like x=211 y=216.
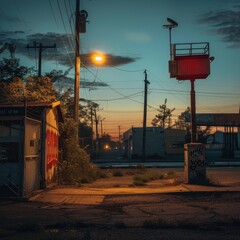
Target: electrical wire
x=69 y=40
x=130 y=71
x=64 y=43
x=116 y=99
x=114 y=90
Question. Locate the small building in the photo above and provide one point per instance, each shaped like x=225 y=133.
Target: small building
x=159 y=142
x=29 y=135
x=132 y=140
x=174 y=140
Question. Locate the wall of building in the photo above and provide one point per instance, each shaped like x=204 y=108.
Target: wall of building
x=174 y=140
x=154 y=142
x=11 y=156
x=159 y=142
x=32 y=156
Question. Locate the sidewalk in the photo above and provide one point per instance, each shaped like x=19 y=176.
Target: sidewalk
x=226 y=180
x=95 y=196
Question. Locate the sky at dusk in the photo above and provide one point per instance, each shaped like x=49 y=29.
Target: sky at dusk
x=130 y=32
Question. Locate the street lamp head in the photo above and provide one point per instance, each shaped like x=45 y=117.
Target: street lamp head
x=172 y=24
x=98 y=58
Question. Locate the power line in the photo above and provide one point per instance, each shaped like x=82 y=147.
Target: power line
x=114 y=90
x=129 y=71
x=117 y=99
x=64 y=43
x=69 y=41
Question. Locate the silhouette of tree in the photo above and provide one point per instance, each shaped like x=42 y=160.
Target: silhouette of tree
x=183 y=121
x=164 y=116
x=16 y=84
x=10 y=69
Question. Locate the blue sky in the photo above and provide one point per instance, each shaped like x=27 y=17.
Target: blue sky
x=131 y=32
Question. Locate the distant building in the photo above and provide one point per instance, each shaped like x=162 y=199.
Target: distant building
x=174 y=140
x=159 y=142
x=28 y=146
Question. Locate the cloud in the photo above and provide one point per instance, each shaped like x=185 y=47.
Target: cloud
x=110 y=60
x=225 y=23
x=88 y=84
x=63 y=83
x=64 y=51
x=12 y=19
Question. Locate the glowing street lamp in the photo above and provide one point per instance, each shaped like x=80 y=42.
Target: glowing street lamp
x=98 y=58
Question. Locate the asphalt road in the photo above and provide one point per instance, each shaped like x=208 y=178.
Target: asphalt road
x=93 y=212
x=116 y=159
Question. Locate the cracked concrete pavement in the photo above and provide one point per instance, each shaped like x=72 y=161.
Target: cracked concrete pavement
x=182 y=211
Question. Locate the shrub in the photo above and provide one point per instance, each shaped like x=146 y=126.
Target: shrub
x=74 y=163
x=148 y=176
x=141 y=169
x=139 y=183
x=117 y=174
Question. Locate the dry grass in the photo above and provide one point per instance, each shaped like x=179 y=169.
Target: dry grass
x=138 y=176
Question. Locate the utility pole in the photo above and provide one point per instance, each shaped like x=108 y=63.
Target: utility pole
x=80 y=27
x=97 y=135
x=146 y=82
x=40 y=48
x=119 y=138
x=102 y=126
x=77 y=64
x=92 y=128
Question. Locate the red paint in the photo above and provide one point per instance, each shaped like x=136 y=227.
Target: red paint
x=192 y=67
x=52 y=149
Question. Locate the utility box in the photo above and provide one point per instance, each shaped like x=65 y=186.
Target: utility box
x=194 y=163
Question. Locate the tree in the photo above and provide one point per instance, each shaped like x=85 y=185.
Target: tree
x=12 y=91
x=183 y=121
x=36 y=89
x=10 y=69
x=15 y=85
x=163 y=116
x=40 y=89
x=67 y=103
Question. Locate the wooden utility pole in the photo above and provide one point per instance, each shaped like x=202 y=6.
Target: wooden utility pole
x=77 y=64
x=119 y=138
x=146 y=82
x=102 y=126
x=40 y=48
x=92 y=128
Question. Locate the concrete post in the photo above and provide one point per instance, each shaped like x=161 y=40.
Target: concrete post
x=194 y=163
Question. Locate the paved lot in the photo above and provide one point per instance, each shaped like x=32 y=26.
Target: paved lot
x=95 y=211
